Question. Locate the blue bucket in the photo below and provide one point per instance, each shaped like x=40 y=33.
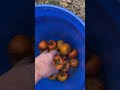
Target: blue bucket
x=53 y=22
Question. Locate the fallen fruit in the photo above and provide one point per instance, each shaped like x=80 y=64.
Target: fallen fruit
x=53 y=77
x=63 y=56
x=43 y=45
x=58 y=62
x=73 y=62
x=65 y=49
x=66 y=66
x=73 y=54
x=59 y=43
x=62 y=76
x=63 y=61
x=52 y=45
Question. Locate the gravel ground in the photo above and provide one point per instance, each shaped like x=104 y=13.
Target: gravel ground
x=76 y=6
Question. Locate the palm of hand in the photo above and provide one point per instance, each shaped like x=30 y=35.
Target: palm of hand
x=44 y=66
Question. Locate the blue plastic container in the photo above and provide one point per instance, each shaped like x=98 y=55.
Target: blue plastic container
x=53 y=22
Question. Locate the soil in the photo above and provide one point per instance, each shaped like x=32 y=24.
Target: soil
x=76 y=6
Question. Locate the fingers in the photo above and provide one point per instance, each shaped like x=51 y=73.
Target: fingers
x=53 y=53
x=46 y=51
x=51 y=71
x=39 y=56
x=44 y=62
x=55 y=72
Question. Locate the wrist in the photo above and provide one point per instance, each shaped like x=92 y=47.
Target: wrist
x=37 y=77
x=38 y=72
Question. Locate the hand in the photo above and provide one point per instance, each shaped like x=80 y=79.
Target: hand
x=43 y=65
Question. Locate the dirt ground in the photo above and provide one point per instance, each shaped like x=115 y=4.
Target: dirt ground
x=76 y=6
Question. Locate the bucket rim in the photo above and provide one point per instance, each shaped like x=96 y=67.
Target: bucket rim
x=62 y=9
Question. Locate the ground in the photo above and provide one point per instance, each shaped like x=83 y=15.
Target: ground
x=76 y=6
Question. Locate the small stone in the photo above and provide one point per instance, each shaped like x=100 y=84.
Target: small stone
x=64 y=0
x=46 y=2
x=64 y=4
x=69 y=1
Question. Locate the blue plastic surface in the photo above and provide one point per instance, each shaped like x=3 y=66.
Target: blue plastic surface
x=53 y=22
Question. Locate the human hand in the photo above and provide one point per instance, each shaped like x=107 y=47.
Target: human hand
x=43 y=65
